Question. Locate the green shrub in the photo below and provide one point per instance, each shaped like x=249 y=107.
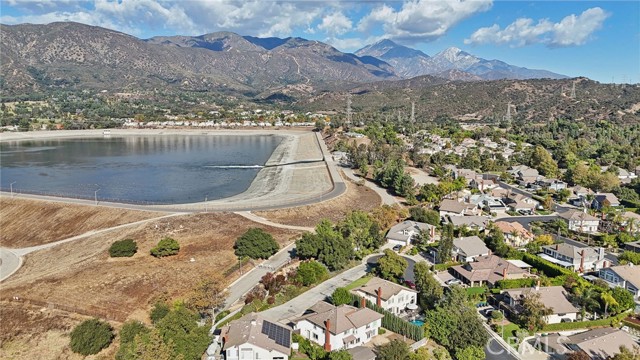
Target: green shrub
x=311 y=272
x=221 y=315
x=256 y=244
x=166 y=247
x=91 y=336
x=128 y=333
x=123 y=248
x=515 y=283
x=381 y=331
x=611 y=321
x=497 y=315
x=159 y=311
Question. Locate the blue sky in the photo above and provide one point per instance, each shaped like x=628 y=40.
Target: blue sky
x=597 y=39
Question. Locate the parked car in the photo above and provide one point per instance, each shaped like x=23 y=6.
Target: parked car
x=410 y=284
x=453 y=282
x=397 y=248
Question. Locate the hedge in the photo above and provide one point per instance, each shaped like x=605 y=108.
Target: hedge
x=392 y=322
x=515 y=283
x=611 y=321
x=631 y=324
x=445 y=266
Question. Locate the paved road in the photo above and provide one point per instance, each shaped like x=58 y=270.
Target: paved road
x=10 y=262
x=387 y=198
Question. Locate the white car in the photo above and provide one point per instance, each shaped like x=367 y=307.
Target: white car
x=453 y=282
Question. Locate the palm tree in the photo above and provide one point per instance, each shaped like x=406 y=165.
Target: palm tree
x=608 y=300
x=586 y=298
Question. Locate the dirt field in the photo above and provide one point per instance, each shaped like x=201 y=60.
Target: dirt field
x=80 y=277
x=356 y=198
x=34 y=332
x=26 y=222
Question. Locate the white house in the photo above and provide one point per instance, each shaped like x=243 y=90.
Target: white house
x=403 y=233
x=580 y=221
x=624 y=276
x=390 y=296
x=575 y=258
x=466 y=249
x=252 y=337
x=341 y=327
x=455 y=208
x=554 y=297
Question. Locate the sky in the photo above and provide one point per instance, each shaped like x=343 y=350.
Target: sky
x=596 y=39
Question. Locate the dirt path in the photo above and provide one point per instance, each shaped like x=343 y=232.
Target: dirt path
x=261 y=220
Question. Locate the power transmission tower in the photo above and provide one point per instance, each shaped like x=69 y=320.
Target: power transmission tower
x=349 y=109
x=573 y=90
x=507 y=118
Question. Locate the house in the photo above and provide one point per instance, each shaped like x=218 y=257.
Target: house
x=624 y=276
x=633 y=246
x=472 y=222
x=338 y=327
x=469 y=248
x=524 y=175
x=487 y=270
x=552 y=184
x=403 y=233
x=581 y=191
x=598 y=344
x=521 y=203
x=487 y=202
x=514 y=233
x=483 y=183
x=626 y=176
x=456 y=208
x=580 y=221
x=468 y=175
x=575 y=258
x=388 y=295
x=252 y=337
x=554 y=297
x=605 y=199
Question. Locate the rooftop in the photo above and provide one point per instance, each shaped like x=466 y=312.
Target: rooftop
x=554 y=297
x=388 y=288
x=577 y=215
x=341 y=318
x=255 y=330
x=471 y=246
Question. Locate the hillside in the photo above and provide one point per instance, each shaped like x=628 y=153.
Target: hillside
x=75 y=56
x=535 y=100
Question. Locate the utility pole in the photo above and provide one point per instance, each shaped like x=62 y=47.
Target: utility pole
x=95 y=196
x=11 y=186
x=573 y=90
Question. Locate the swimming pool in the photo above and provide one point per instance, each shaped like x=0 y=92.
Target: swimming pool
x=417 y=322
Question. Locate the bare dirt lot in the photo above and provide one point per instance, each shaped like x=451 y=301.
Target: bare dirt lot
x=356 y=198
x=35 y=332
x=81 y=277
x=25 y=223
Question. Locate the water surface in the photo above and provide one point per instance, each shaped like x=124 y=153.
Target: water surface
x=164 y=169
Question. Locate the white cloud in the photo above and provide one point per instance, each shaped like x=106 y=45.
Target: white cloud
x=422 y=20
x=570 y=31
x=335 y=24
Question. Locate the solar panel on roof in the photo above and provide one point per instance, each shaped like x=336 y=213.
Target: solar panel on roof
x=279 y=334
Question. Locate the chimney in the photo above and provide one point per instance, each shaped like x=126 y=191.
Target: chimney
x=489 y=252
x=327 y=335
x=482 y=185
x=582 y=253
x=504 y=273
x=557 y=247
x=433 y=232
x=600 y=253
x=363 y=303
x=379 y=299
x=538 y=284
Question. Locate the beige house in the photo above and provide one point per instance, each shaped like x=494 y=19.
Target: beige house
x=554 y=297
x=252 y=337
x=514 y=233
x=487 y=270
x=580 y=221
x=390 y=296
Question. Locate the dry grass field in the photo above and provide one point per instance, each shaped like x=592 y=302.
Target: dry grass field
x=356 y=198
x=25 y=222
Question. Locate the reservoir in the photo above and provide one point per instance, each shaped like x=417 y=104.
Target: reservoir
x=158 y=169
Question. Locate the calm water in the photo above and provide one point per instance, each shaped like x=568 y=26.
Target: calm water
x=156 y=169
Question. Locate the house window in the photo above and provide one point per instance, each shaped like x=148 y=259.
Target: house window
x=315 y=336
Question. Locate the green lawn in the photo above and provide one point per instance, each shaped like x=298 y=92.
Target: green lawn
x=509 y=334
x=476 y=290
x=363 y=280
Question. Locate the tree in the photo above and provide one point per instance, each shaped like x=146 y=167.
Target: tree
x=623 y=300
x=180 y=327
x=152 y=346
x=430 y=290
x=91 y=336
x=446 y=244
x=471 y=353
x=362 y=231
x=207 y=296
x=578 y=355
x=607 y=300
x=130 y=330
x=159 y=311
x=166 y=247
x=339 y=355
x=542 y=161
x=627 y=354
x=586 y=297
x=391 y=266
x=311 y=272
x=341 y=296
x=629 y=257
x=428 y=216
x=327 y=245
x=256 y=244
x=532 y=316
x=394 y=350
x=123 y=248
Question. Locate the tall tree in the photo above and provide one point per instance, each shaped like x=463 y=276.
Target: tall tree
x=362 y=231
x=394 y=350
x=532 y=316
x=542 y=160
x=607 y=300
x=207 y=296
x=391 y=266
x=446 y=244
x=430 y=290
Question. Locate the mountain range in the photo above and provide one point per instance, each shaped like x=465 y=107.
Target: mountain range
x=67 y=55
x=408 y=63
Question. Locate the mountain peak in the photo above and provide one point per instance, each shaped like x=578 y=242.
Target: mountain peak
x=386 y=49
